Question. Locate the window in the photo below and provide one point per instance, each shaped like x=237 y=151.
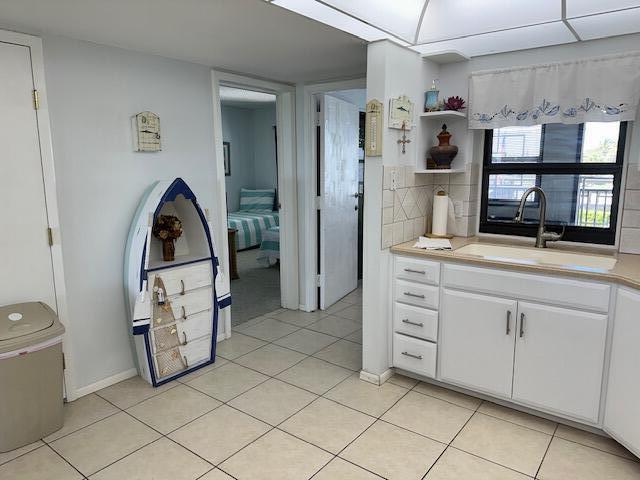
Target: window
x=579 y=167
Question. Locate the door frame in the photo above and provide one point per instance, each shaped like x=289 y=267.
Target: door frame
x=307 y=177
x=34 y=44
x=287 y=187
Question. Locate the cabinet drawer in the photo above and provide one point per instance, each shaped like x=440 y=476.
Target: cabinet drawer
x=192 y=302
x=415 y=321
x=417 y=270
x=182 y=331
x=547 y=289
x=413 y=355
x=417 y=294
x=182 y=279
x=197 y=351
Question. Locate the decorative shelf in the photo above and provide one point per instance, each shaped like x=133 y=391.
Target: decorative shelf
x=446 y=56
x=432 y=171
x=157 y=264
x=443 y=114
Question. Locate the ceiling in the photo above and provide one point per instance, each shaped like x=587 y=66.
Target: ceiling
x=474 y=27
x=238 y=97
x=247 y=36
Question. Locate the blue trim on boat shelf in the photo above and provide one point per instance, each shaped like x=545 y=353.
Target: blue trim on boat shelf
x=143 y=272
x=225 y=302
x=178 y=264
x=147 y=348
x=140 y=329
x=184 y=372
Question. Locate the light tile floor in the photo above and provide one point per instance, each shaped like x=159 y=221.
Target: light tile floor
x=284 y=401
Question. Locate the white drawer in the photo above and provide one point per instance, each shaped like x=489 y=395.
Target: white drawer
x=192 y=302
x=195 y=326
x=182 y=331
x=176 y=360
x=417 y=294
x=524 y=286
x=197 y=351
x=182 y=279
x=414 y=355
x=416 y=270
x=415 y=321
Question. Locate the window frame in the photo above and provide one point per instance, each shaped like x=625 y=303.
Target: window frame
x=574 y=233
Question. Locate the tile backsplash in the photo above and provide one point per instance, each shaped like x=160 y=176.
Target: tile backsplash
x=407 y=201
x=630 y=231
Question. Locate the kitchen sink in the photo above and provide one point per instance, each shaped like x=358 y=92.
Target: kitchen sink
x=539 y=256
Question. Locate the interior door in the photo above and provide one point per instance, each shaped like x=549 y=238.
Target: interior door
x=25 y=256
x=338 y=174
x=476 y=341
x=559 y=359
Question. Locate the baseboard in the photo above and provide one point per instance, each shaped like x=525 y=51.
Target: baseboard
x=376 y=379
x=107 y=382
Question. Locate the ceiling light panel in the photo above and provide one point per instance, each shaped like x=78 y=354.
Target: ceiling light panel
x=329 y=16
x=230 y=94
x=399 y=17
x=504 y=41
x=447 y=19
x=607 y=24
x=578 y=8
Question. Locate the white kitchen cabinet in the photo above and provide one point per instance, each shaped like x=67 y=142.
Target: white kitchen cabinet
x=476 y=342
x=559 y=358
x=622 y=412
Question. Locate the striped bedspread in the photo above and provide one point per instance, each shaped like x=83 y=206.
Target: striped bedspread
x=250 y=226
x=270 y=247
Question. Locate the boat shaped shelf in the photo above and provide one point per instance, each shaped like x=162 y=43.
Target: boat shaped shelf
x=173 y=305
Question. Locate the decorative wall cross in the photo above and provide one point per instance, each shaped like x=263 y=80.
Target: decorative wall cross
x=404 y=140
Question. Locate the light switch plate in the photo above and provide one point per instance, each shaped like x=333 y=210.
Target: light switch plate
x=457 y=208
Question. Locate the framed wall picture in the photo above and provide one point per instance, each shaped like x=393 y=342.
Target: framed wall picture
x=226 y=148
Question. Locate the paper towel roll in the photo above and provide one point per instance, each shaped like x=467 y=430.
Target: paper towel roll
x=442 y=210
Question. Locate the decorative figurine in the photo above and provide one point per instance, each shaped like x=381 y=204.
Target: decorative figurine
x=431 y=98
x=454 y=103
x=443 y=153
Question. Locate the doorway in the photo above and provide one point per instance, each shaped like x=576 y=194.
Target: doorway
x=256 y=194
x=340 y=189
x=249 y=135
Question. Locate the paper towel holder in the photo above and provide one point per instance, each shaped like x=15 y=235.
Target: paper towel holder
x=433 y=235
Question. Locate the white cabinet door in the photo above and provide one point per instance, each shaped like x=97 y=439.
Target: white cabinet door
x=622 y=412
x=476 y=341
x=559 y=359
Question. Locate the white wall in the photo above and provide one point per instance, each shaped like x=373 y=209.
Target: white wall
x=387 y=65
x=237 y=129
x=253 y=150
x=265 y=173
x=92 y=92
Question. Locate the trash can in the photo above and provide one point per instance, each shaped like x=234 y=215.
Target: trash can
x=30 y=374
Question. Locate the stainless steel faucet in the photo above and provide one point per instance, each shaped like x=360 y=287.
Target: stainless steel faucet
x=542 y=236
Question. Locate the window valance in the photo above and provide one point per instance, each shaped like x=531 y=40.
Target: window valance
x=604 y=89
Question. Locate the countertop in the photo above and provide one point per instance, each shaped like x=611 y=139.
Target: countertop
x=625 y=272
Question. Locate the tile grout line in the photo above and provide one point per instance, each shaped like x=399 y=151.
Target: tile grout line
x=546 y=451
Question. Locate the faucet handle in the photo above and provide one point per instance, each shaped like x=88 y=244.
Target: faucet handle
x=553 y=236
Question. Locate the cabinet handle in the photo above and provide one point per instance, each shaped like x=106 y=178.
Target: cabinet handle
x=417 y=357
x=186 y=363
x=184 y=335
x=411 y=270
x=181 y=287
x=522 y=317
x=409 y=294
x=184 y=313
x=508 y=322
x=409 y=322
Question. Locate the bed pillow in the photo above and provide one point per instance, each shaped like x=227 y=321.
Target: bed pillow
x=257 y=200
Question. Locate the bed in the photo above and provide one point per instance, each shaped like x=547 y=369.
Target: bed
x=255 y=216
x=270 y=247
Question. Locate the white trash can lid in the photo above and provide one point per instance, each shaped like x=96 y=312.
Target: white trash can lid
x=23 y=319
